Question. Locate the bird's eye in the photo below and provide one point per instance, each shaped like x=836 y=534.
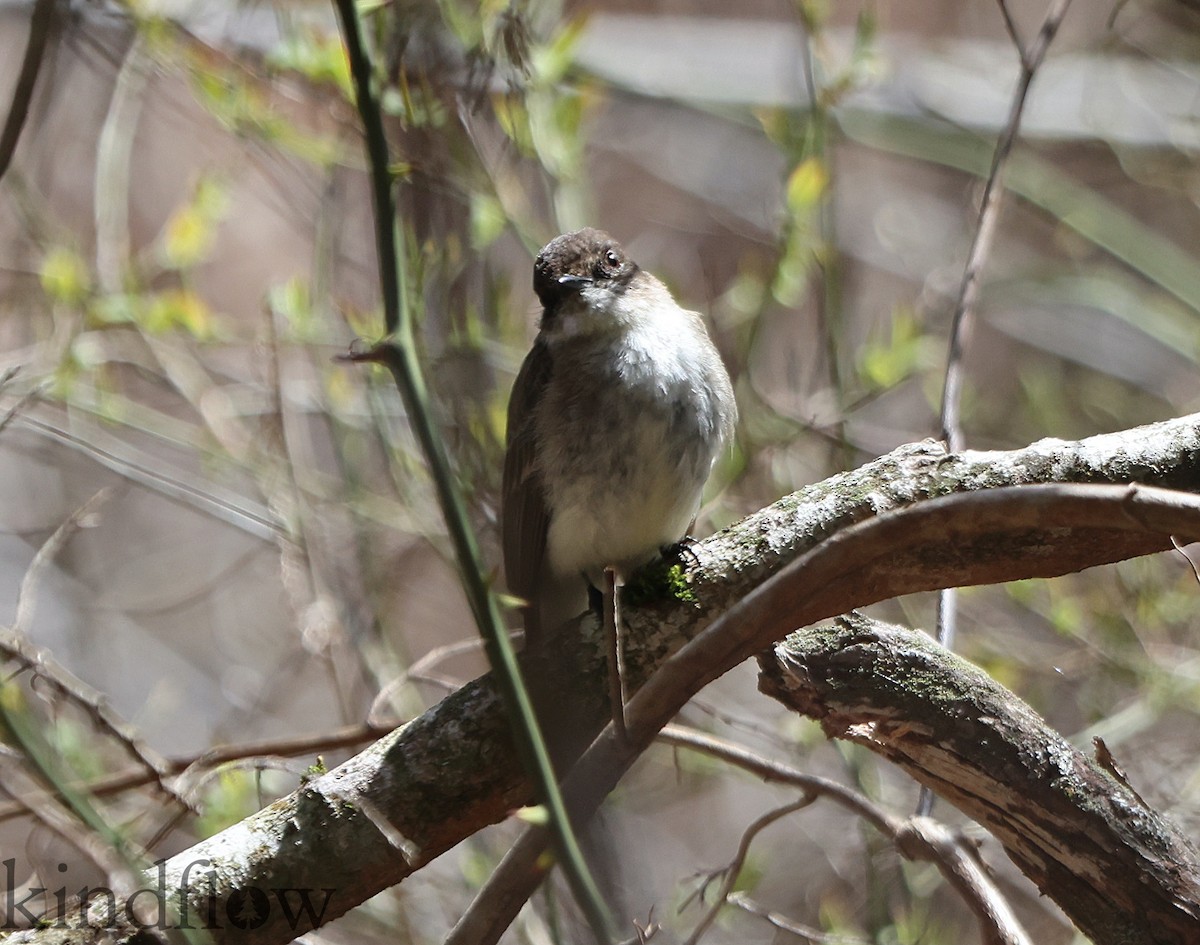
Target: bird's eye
x=613 y=259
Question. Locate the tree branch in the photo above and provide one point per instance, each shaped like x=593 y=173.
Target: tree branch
x=40 y=24
x=918 y=838
x=898 y=552
x=1078 y=832
x=861 y=536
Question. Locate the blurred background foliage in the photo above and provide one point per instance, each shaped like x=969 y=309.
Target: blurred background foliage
x=185 y=246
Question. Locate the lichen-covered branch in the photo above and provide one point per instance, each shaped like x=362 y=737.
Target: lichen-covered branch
x=1115 y=866
x=373 y=821
x=896 y=552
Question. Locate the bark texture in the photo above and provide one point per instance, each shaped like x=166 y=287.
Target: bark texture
x=1119 y=869
x=436 y=780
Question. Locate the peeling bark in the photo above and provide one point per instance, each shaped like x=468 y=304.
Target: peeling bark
x=1119 y=869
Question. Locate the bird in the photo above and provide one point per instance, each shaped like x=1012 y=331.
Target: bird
x=617 y=416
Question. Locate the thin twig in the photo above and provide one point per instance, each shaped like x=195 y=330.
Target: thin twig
x=40 y=23
x=347 y=737
x=1010 y=25
x=776 y=772
x=612 y=645
x=27 y=595
x=44 y=667
x=989 y=214
x=114 y=165
x=744 y=902
x=399 y=356
x=958 y=861
x=921 y=839
x=42 y=806
x=421 y=671
x=378 y=154
x=968 y=292
x=729 y=873
x=1186 y=557
x=828 y=261
x=206 y=498
x=41 y=665
x=24 y=401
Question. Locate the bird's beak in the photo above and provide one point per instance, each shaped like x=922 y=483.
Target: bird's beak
x=574 y=282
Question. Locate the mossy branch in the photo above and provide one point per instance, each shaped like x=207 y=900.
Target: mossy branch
x=1076 y=829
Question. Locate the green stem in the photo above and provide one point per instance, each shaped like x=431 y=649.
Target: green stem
x=16 y=727
x=400 y=358
x=394 y=301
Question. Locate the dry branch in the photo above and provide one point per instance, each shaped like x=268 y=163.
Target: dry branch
x=420 y=790
x=918 y=838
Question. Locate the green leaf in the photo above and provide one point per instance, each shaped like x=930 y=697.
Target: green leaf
x=885 y=363
x=536 y=815
x=176 y=308
x=319 y=56
x=64 y=276
x=120 y=308
x=513 y=118
x=806 y=184
x=190 y=232
x=293 y=301
x=488 y=220
x=187 y=239
x=551 y=62
x=231 y=798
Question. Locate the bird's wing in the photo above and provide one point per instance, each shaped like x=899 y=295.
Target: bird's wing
x=525 y=518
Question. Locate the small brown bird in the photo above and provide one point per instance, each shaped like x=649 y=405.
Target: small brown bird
x=615 y=421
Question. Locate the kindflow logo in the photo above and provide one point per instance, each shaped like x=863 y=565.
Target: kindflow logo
x=193 y=904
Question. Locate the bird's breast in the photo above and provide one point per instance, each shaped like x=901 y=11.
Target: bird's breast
x=627 y=437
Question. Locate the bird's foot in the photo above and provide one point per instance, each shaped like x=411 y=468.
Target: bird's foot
x=682 y=553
